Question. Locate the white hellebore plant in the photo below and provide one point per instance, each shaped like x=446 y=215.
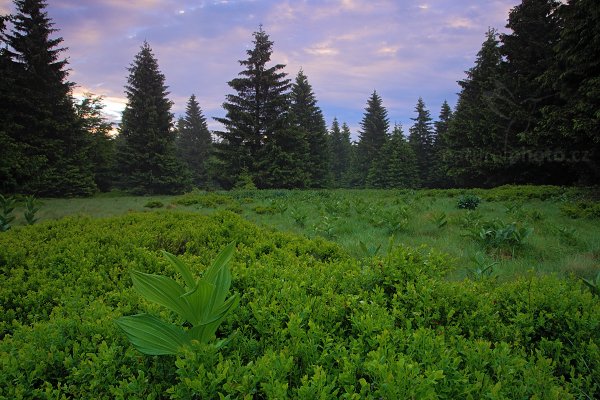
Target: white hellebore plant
x=201 y=302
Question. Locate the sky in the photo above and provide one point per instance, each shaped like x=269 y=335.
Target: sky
x=347 y=48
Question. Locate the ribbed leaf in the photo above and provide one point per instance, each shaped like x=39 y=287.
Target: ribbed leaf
x=205 y=331
x=220 y=262
x=218 y=274
x=152 y=336
x=182 y=269
x=198 y=301
x=162 y=290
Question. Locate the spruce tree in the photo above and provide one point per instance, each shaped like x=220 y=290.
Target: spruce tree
x=340 y=148
x=258 y=139
x=575 y=120
x=528 y=52
x=102 y=151
x=349 y=155
x=422 y=138
x=53 y=159
x=402 y=167
x=372 y=136
x=11 y=151
x=194 y=143
x=438 y=174
x=308 y=118
x=396 y=166
x=146 y=152
x=475 y=152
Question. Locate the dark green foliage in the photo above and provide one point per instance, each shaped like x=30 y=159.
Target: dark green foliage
x=308 y=118
x=194 y=143
x=396 y=165
x=527 y=111
x=372 y=136
x=341 y=153
x=31 y=209
x=421 y=139
x=282 y=163
x=154 y=204
x=258 y=138
x=528 y=51
x=499 y=236
x=438 y=175
x=311 y=320
x=145 y=148
x=12 y=152
x=102 y=144
x=7 y=206
x=574 y=122
x=210 y=200
x=475 y=143
x=468 y=202
x=581 y=209
x=48 y=150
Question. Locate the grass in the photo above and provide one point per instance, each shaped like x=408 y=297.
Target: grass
x=380 y=218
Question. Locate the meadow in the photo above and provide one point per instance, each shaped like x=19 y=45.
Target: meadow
x=564 y=237
x=343 y=294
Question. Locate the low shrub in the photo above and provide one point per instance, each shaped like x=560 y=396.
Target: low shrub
x=468 y=202
x=496 y=235
x=312 y=321
x=262 y=210
x=581 y=209
x=154 y=204
x=208 y=200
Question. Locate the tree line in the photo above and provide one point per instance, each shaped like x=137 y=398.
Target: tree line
x=527 y=112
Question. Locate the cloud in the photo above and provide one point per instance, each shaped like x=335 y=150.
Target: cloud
x=347 y=48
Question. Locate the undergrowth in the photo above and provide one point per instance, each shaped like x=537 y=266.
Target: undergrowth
x=312 y=322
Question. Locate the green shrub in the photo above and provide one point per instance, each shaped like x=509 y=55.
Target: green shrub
x=7 y=206
x=312 y=323
x=497 y=235
x=525 y=192
x=468 y=202
x=154 y=204
x=581 y=209
x=262 y=210
x=208 y=200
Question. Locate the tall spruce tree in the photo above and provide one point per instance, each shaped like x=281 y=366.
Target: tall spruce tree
x=421 y=139
x=575 y=120
x=146 y=152
x=53 y=150
x=438 y=173
x=259 y=139
x=11 y=151
x=528 y=51
x=372 y=136
x=475 y=152
x=194 y=143
x=341 y=149
x=308 y=118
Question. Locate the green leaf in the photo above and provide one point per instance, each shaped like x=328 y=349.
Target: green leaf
x=218 y=275
x=152 y=336
x=181 y=268
x=198 y=301
x=220 y=262
x=162 y=290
